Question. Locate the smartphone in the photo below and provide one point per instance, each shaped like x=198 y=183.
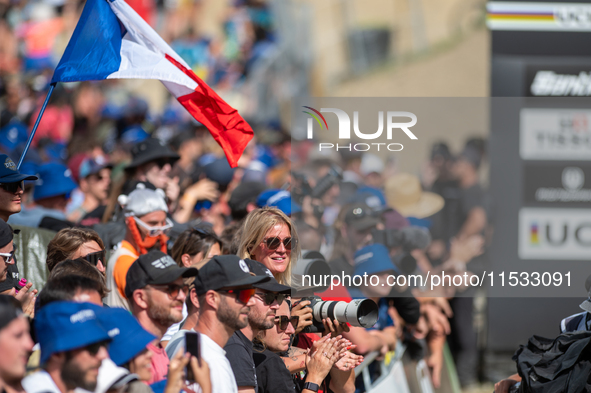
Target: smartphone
x=192 y=346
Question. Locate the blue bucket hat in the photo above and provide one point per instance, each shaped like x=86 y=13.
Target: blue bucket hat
x=65 y=326
x=9 y=173
x=373 y=259
x=54 y=179
x=13 y=134
x=281 y=199
x=129 y=337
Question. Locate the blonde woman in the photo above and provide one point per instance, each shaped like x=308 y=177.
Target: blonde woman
x=269 y=237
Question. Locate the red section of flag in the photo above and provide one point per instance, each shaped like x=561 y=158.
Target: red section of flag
x=224 y=123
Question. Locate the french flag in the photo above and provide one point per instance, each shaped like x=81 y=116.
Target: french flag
x=111 y=41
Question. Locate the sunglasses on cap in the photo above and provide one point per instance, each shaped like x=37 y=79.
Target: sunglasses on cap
x=94 y=349
x=95 y=257
x=172 y=290
x=274 y=242
x=9 y=256
x=283 y=320
x=270 y=297
x=243 y=295
x=13 y=187
x=154 y=231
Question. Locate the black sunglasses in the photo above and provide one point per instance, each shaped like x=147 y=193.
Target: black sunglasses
x=93 y=349
x=13 y=187
x=273 y=243
x=284 y=320
x=95 y=257
x=161 y=162
x=270 y=297
x=100 y=177
x=172 y=290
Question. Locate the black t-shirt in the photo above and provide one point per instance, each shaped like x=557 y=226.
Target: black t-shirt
x=272 y=375
x=239 y=353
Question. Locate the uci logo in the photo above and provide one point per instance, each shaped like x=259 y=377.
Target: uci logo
x=393 y=122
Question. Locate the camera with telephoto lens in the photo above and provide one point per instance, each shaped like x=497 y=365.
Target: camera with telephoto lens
x=408 y=239
x=357 y=312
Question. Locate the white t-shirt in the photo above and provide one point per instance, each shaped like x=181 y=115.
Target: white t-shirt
x=220 y=371
x=39 y=382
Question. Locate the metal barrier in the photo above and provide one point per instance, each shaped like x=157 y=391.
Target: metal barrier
x=392 y=377
x=398 y=374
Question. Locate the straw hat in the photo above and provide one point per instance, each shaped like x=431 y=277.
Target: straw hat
x=404 y=193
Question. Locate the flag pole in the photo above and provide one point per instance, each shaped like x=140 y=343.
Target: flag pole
x=20 y=161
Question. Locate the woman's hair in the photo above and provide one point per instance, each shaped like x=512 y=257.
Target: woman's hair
x=66 y=242
x=256 y=225
x=192 y=242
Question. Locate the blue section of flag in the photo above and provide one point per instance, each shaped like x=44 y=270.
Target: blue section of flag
x=93 y=52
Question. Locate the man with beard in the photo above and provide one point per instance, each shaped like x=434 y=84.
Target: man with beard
x=268 y=297
x=146 y=224
x=73 y=345
x=225 y=290
x=156 y=292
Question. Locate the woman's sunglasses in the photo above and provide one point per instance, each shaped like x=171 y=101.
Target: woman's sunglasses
x=283 y=320
x=243 y=295
x=270 y=297
x=13 y=187
x=95 y=257
x=273 y=243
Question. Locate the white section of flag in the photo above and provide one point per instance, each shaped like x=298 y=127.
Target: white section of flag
x=143 y=54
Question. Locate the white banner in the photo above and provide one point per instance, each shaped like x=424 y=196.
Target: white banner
x=560 y=234
x=555 y=134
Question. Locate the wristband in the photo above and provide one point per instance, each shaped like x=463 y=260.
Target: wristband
x=311 y=386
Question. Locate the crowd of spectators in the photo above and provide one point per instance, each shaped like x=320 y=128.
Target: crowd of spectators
x=219 y=259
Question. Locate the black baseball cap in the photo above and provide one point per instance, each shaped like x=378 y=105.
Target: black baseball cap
x=272 y=285
x=360 y=216
x=225 y=272
x=9 y=173
x=154 y=268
